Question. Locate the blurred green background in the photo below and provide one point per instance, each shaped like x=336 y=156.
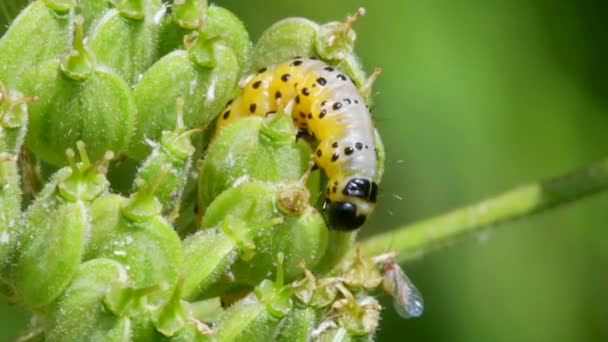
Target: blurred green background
x=475 y=98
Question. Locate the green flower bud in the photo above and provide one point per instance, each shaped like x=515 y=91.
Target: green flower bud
x=255 y=317
x=175 y=150
x=204 y=76
x=175 y=319
x=60 y=6
x=332 y=42
x=275 y=295
x=55 y=229
x=13 y=119
x=90 y=10
x=316 y=293
x=253 y=148
x=359 y=316
x=202 y=268
x=361 y=273
x=283 y=40
x=131 y=9
x=13 y=125
x=186 y=16
x=336 y=40
x=247 y=320
x=350 y=317
x=189 y=14
x=10 y=206
x=212 y=21
x=124 y=300
x=77 y=101
x=297 y=326
x=250 y=215
x=125 y=39
x=221 y=22
x=171 y=317
x=38 y=34
x=80 y=310
x=133 y=232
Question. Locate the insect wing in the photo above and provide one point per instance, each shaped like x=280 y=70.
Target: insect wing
x=407 y=300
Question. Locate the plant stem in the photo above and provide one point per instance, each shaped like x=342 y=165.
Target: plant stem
x=419 y=237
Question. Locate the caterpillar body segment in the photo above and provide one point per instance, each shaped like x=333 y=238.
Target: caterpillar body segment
x=326 y=104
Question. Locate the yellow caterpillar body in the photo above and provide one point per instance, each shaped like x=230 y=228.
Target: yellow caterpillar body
x=327 y=105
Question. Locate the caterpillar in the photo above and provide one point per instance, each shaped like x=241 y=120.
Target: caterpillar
x=325 y=104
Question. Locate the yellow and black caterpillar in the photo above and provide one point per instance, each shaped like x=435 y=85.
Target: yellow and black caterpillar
x=327 y=105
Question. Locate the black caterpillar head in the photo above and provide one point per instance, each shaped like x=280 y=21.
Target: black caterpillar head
x=343 y=216
x=359 y=196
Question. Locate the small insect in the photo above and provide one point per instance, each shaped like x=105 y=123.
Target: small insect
x=407 y=300
x=325 y=104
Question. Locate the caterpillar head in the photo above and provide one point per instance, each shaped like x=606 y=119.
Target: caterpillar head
x=348 y=208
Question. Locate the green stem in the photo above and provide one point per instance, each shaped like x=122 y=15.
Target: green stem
x=416 y=238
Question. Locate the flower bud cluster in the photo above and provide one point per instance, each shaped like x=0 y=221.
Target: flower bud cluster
x=187 y=253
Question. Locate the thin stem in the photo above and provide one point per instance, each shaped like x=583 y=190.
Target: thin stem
x=419 y=237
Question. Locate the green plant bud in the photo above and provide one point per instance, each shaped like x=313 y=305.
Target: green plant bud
x=189 y=14
x=133 y=232
x=333 y=42
x=186 y=16
x=254 y=148
x=77 y=101
x=361 y=273
x=124 y=300
x=212 y=21
x=80 y=311
x=38 y=34
x=126 y=39
x=173 y=149
x=10 y=206
x=91 y=10
x=275 y=295
x=171 y=317
x=249 y=214
x=336 y=40
x=221 y=22
x=247 y=320
x=283 y=40
x=56 y=225
x=61 y=6
x=297 y=326
x=316 y=293
x=255 y=317
x=175 y=318
x=204 y=76
x=13 y=125
x=202 y=268
x=13 y=119
x=359 y=315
